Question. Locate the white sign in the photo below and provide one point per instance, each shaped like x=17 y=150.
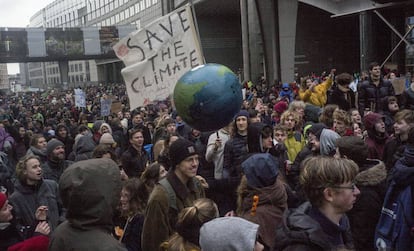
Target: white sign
x=80 y=99
x=158 y=55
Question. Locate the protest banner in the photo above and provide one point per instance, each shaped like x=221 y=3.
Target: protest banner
x=80 y=99
x=158 y=55
x=116 y=107
x=399 y=85
x=106 y=104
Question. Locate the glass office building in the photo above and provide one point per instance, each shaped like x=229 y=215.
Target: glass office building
x=84 y=13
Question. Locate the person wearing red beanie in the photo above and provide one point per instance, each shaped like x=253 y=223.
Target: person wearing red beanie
x=10 y=237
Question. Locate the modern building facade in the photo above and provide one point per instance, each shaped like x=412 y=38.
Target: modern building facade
x=4 y=78
x=272 y=38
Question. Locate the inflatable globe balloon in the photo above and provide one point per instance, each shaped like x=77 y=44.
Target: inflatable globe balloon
x=208 y=97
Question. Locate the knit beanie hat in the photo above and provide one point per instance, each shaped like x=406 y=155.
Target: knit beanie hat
x=52 y=144
x=181 y=149
x=353 y=148
x=316 y=129
x=3 y=199
x=242 y=113
x=261 y=170
x=106 y=138
x=371 y=119
x=228 y=234
x=280 y=107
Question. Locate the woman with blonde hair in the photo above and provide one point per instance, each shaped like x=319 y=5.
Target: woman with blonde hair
x=189 y=222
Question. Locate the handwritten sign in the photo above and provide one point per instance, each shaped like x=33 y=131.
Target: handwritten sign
x=106 y=104
x=158 y=55
x=80 y=99
x=399 y=85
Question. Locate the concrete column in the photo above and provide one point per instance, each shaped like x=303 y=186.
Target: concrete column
x=287 y=12
x=365 y=35
x=245 y=40
x=256 y=50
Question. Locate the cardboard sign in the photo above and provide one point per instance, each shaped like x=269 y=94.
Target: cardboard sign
x=158 y=55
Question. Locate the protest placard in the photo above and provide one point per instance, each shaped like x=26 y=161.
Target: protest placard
x=80 y=98
x=158 y=55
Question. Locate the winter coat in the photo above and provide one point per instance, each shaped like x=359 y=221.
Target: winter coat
x=402 y=185
x=132 y=233
x=302 y=232
x=294 y=144
x=316 y=97
x=90 y=191
x=26 y=199
x=39 y=153
x=407 y=98
x=160 y=216
x=53 y=170
x=235 y=152
x=217 y=156
x=344 y=100
x=134 y=162
x=393 y=150
x=84 y=148
x=9 y=236
x=272 y=203
x=363 y=217
x=371 y=97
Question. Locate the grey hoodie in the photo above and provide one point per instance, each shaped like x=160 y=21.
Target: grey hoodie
x=327 y=142
x=90 y=191
x=228 y=234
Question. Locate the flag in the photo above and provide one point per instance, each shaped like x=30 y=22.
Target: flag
x=157 y=55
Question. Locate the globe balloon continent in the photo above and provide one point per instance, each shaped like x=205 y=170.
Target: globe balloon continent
x=208 y=97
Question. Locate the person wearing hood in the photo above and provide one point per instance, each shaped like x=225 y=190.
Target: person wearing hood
x=62 y=134
x=230 y=234
x=38 y=145
x=371 y=181
x=90 y=191
x=323 y=142
x=262 y=196
x=84 y=148
x=321 y=223
x=286 y=92
x=56 y=163
x=32 y=192
x=377 y=135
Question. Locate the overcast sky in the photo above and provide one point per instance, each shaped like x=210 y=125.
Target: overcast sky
x=17 y=13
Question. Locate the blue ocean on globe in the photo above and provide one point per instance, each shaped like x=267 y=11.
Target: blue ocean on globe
x=208 y=97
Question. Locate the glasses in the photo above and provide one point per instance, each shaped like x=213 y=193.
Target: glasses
x=351 y=187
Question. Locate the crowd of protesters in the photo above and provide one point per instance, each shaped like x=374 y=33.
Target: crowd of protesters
x=307 y=165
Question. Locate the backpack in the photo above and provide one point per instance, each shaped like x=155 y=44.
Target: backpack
x=172 y=197
x=395 y=227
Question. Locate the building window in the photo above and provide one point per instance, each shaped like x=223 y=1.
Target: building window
x=80 y=67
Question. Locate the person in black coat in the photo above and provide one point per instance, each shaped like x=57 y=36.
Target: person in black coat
x=372 y=92
x=135 y=158
x=371 y=181
x=341 y=94
x=10 y=236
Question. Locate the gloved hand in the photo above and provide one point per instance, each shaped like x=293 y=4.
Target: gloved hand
x=7 y=146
